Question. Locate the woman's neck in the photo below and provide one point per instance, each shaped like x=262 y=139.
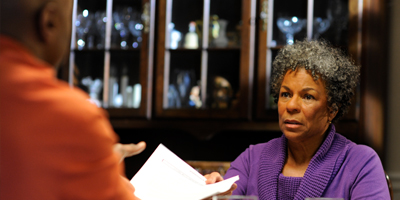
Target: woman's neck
x=299 y=155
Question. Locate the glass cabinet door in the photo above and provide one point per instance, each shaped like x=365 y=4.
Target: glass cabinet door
x=205 y=58
x=285 y=21
x=87 y=48
x=110 y=54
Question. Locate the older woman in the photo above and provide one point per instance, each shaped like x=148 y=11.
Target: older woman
x=313 y=85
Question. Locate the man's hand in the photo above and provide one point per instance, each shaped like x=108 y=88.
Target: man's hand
x=128 y=150
x=216 y=177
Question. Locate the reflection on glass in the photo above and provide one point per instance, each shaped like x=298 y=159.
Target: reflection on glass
x=290 y=26
x=338 y=14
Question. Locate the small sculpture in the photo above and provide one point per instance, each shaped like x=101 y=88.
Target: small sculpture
x=221 y=40
x=222 y=93
x=191 y=38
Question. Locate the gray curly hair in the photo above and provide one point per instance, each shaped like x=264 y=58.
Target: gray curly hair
x=338 y=72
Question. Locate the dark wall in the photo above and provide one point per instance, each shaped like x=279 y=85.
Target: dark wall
x=224 y=146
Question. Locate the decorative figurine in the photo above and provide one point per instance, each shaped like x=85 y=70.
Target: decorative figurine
x=222 y=93
x=175 y=36
x=191 y=38
x=221 y=40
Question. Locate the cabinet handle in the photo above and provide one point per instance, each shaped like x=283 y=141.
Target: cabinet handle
x=146 y=17
x=264 y=15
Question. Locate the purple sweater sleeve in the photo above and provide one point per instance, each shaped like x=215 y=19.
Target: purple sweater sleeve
x=239 y=167
x=246 y=166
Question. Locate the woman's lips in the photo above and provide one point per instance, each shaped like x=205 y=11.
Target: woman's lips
x=292 y=124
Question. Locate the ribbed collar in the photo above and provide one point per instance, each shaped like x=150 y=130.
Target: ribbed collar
x=319 y=173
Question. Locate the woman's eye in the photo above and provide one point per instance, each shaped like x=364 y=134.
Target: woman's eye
x=285 y=94
x=308 y=97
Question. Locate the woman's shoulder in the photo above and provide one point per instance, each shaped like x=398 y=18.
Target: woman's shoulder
x=270 y=144
x=249 y=159
x=353 y=149
x=358 y=156
x=255 y=150
x=361 y=152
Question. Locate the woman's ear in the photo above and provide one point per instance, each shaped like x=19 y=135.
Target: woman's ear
x=48 y=22
x=332 y=114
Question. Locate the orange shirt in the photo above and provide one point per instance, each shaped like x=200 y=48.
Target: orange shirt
x=54 y=144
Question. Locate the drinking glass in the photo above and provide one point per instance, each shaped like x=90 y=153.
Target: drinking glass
x=320 y=26
x=290 y=26
x=83 y=23
x=100 y=19
x=122 y=18
x=135 y=26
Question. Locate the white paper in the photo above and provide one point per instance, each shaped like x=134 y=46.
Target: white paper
x=165 y=176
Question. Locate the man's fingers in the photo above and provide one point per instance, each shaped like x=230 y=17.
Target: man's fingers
x=127 y=150
x=134 y=149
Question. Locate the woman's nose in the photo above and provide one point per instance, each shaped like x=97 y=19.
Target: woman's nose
x=293 y=105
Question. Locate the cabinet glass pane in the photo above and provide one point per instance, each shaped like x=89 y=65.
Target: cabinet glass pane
x=90 y=24
x=223 y=79
x=89 y=73
x=289 y=21
x=184 y=79
x=127 y=24
x=125 y=90
x=331 y=21
x=186 y=24
x=88 y=49
x=225 y=23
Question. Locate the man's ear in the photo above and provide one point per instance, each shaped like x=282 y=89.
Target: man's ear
x=47 y=22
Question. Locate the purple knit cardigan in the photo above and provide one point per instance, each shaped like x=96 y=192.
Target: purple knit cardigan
x=340 y=168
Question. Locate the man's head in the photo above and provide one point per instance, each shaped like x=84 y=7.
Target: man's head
x=43 y=26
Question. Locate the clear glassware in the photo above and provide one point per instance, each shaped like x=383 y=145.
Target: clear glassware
x=83 y=24
x=135 y=27
x=100 y=19
x=290 y=26
x=122 y=18
x=320 y=26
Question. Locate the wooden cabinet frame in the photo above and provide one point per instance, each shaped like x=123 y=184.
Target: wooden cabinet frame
x=246 y=67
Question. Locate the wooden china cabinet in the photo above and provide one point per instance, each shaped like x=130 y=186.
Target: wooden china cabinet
x=220 y=65
x=204 y=66
x=111 y=54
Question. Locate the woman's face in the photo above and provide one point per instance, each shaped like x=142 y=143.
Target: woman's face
x=302 y=107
